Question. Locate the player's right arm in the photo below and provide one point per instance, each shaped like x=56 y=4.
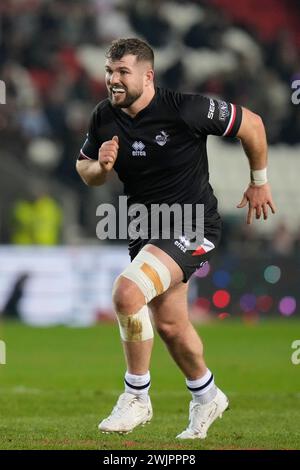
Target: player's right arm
x=94 y=163
x=94 y=172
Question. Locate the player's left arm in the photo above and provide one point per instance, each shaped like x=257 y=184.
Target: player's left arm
x=258 y=195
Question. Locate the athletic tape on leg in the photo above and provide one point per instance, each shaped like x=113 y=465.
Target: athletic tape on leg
x=136 y=327
x=149 y=274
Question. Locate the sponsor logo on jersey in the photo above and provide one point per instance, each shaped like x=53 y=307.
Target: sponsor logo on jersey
x=183 y=243
x=162 y=138
x=138 y=149
x=223 y=110
x=211 y=110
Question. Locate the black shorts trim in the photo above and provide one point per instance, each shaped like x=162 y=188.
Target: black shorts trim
x=188 y=262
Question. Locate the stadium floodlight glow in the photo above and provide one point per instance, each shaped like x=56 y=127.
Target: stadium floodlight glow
x=238 y=280
x=221 y=298
x=272 y=274
x=221 y=278
x=264 y=303
x=251 y=317
x=203 y=271
x=287 y=306
x=223 y=315
x=248 y=302
x=203 y=303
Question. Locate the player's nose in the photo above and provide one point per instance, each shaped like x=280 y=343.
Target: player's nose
x=114 y=78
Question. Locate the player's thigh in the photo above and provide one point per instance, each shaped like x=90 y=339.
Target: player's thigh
x=172 y=306
x=175 y=270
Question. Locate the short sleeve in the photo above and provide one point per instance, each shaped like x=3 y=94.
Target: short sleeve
x=205 y=115
x=90 y=148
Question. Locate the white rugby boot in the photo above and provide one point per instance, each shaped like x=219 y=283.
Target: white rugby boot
x=129 y=412
x=202 y=416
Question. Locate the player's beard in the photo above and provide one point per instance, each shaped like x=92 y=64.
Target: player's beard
x=127 y=100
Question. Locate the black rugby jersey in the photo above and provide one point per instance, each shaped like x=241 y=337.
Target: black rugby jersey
x=162 y=150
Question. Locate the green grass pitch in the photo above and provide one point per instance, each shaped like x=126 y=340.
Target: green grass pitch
x=59 y=382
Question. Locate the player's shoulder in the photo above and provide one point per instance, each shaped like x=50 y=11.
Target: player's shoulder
x=171 y=98
x=101 y=108
x=167 y=95
x=176 y=98
x=102 y=105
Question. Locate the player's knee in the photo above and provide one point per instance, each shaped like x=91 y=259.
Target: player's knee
x=132 y=313
x=149 y=274
x=127 y=298
x=168 y=331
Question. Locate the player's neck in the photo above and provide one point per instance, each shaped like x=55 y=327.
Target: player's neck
x=141 y=103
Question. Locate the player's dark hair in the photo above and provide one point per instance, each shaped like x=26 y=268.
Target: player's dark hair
x=134 y=46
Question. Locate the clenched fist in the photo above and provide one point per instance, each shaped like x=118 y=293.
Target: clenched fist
x=108 y=153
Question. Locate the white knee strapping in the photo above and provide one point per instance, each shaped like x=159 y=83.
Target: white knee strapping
x=149 y=274
x=136 y=327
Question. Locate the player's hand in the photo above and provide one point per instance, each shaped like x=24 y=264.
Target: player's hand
x=258 y=199
x=108 y=153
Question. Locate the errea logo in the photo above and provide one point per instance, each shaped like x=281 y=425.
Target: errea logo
x=138 y=149
x=183 y=244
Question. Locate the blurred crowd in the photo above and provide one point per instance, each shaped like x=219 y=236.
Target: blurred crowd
x=52 y=57
x=241 y=240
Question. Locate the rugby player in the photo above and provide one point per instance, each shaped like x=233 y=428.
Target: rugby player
x=155 y=139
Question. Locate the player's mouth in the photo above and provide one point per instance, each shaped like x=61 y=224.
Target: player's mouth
x=117 y=91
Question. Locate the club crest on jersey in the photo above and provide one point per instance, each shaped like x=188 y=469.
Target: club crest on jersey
x=162 y=138
x=138 y=149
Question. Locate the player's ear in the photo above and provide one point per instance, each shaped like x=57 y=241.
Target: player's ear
x=149 y=76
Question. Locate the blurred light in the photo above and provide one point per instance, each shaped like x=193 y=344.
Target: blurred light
x=221 y=298
x=44 y=153
x=259 y=290
x=287 y=305
x=230 y=262
x=272 y=274
x=223 y=315
x=248 y=302
x=251 y=318
x=203 y=271
x=203 y=303
x=238 y=280
x=221 y=278
x=264 y=303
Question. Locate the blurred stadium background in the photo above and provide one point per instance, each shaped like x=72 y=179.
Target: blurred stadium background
x=53 y=269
